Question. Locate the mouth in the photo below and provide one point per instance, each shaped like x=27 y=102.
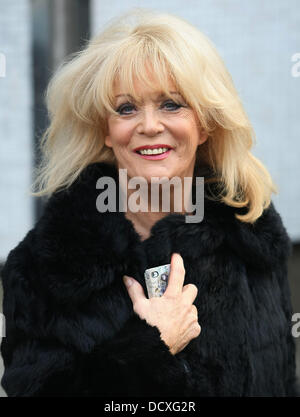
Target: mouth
x=154 y=152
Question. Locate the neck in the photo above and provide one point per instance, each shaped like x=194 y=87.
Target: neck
x=143 y=222
x=143 y=212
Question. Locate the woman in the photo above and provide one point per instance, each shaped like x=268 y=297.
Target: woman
x=223 y=326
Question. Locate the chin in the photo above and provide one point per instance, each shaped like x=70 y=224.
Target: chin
x=157 y=173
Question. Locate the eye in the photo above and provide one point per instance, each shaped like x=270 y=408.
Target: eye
x=171 y=105
x=123 y=109
x=127 y=108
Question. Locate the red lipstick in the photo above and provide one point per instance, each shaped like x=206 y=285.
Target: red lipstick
x=154 y=156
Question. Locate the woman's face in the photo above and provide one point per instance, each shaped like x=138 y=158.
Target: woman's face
x=155 y=122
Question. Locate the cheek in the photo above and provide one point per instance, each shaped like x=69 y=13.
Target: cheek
x=120 y=134
x=187 y=133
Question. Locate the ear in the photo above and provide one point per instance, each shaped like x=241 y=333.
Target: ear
x=107 y=141
x=202 y=137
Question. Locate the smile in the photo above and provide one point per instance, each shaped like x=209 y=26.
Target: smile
x=153 y=154
x=155 y=151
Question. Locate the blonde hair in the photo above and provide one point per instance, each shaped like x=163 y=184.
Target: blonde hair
x=81 y=93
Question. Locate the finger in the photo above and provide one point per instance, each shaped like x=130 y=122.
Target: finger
x=195 y=330
x=190 y=292
x=176 y=277
x=195 y=311
x=135 y=290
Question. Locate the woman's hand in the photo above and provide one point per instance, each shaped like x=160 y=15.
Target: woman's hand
x=174 y=313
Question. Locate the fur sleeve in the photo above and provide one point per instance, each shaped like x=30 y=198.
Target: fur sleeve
x=134 y=363
x=281 y=271
x=291 y=381
x=137 y=362
x=38 y=363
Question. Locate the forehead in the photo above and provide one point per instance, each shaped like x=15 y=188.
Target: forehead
x=140 y=89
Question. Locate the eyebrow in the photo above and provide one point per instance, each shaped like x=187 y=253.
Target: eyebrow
x=159 y=97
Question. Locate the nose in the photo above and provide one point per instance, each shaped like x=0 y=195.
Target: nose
x=150 y=123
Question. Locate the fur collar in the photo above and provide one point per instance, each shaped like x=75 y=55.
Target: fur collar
x=82 y=250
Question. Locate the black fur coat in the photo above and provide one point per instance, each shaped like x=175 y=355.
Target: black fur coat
x=71 y=329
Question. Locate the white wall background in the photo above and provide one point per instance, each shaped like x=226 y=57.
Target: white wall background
x=16 y=208
x=256 y=39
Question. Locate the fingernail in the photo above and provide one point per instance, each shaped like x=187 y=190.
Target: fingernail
x=127 y=281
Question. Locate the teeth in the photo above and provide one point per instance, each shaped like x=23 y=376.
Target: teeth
x=156 y=151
